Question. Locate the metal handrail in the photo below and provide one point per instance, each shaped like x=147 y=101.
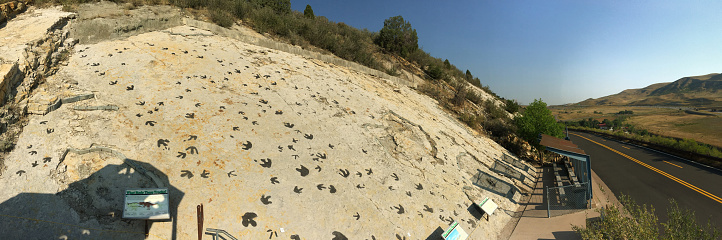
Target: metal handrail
x=217 y=232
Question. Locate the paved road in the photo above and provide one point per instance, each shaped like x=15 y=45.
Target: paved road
x=650 y=177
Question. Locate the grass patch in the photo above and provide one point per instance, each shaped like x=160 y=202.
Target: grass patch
x=686 y=145
x=6 y=145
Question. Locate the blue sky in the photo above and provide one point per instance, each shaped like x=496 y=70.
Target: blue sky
x=561 y=51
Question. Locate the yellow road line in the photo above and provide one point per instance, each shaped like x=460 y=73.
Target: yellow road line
x=680 y=181
x=626 y=147
x=673 y=164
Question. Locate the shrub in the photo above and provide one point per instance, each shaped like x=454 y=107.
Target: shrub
x=220 y=14
x=474 y=97
x=308 y=12
x=434 y=71
x=398 y=37
x=633 y=221
x=493 y=111
x=460 y=95
x=471 y=120
x=277 y=6
x=477 y=82
x=535 y=120
x=6 y=146
x=189 y=3
x=498 y=127
x=511 y=106
x=430 y=90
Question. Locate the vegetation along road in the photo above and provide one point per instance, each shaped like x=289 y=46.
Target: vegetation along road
x=651 y=177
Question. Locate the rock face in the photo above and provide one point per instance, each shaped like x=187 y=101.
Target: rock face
x=32 y=45
x=8 y=10
x=271 y=143
x=105 y=20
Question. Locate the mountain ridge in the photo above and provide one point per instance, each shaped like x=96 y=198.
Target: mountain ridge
x=698 y=91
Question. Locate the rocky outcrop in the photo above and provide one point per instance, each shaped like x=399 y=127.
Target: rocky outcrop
x=31 y=59
x=10 y=9
x=271 y=142
x=106 y=20
x=254 y=133
x=41 y=58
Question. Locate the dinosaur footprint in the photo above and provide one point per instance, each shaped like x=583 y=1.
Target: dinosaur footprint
x=303 y=170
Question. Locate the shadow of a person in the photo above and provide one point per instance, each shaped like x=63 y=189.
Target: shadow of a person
x=89 y=208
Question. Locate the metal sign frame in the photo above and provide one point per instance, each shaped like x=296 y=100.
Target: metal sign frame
x=146 y=203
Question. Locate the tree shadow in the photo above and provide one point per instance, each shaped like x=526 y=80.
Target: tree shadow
x=89 y=208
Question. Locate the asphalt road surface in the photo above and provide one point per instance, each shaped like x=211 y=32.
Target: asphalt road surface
x=651 y=177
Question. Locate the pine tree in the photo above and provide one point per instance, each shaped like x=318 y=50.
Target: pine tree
x=308 y=12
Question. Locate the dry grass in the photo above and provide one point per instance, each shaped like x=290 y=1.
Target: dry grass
x=578 y=113
x=705 y=129
x=662 y=121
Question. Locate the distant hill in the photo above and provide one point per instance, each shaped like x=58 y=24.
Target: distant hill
x=699 y=91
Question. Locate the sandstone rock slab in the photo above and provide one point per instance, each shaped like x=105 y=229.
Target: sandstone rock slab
x=265 y=140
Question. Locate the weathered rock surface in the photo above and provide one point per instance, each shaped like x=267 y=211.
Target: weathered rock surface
x=32 y=45
x=271 y=143
x=8 y=10
x=106 y=20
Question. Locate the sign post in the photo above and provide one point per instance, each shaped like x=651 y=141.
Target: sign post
x=146 y=204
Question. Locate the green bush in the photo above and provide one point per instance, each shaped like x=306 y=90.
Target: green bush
x=460 y=95
x=189 y=3
x=220 y=13
x=640 y=222
x=511 y=106
x=435 y=72
x=278 y=6
x=474 y=97
x=499 y=128
x=493 y=111
x=6 y=146
x=308 y=12
x=398 y=37
x=471 y=120
x=430 y=90
x=535 y=120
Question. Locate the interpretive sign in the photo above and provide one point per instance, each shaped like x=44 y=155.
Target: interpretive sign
x=146 y=203
x=455 y=232
x=487 y=206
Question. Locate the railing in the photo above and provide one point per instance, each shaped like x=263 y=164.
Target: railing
x=566 y=199
x=219 y=234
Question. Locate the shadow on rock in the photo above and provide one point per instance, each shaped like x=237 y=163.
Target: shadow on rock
x=89 y=208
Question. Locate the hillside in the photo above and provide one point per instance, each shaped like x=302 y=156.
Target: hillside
x=272 y=140
x=696 y=91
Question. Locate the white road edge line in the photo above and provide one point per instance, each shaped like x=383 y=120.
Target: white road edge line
x=687 y=160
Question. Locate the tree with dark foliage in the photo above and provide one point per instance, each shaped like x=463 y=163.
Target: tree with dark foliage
x=398 y=37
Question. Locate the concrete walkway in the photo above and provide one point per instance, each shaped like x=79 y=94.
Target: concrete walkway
x=534 y=223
